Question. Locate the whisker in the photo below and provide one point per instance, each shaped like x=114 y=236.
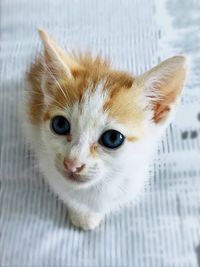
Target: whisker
x=53 y=100
x=46 y=70
x=57 y=82
x=57 y=107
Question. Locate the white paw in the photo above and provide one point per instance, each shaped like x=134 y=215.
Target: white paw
x=85 y=221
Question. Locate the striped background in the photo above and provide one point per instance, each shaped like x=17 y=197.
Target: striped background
x=163 y=228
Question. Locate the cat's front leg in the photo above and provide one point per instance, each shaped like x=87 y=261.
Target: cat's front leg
x=85 y=221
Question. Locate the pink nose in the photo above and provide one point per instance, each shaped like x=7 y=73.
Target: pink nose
x=73 y=166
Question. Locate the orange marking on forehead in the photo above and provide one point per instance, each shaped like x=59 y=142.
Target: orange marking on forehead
x=91 y=73
x=123 y=106
x=62 y=90
x=122 y=102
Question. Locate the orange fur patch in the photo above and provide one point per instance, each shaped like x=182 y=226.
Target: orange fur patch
x=90 y=72
x=64 y=92
x=132 y=138
x=123 y=100
x=35 y=106
x=123 y=106
x=93 y=150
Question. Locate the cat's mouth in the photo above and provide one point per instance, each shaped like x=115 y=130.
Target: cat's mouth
x=75 y=177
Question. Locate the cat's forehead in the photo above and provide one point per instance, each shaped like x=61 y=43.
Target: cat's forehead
x=98 y=91
x=103 y=106
x=89 y=112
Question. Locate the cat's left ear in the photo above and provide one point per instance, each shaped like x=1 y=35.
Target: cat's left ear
x=57 y=62
x=163 y=86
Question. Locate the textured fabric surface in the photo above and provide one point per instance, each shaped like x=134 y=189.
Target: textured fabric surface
x=163 y=228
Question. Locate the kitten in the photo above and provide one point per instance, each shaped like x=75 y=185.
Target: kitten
x=94 y=128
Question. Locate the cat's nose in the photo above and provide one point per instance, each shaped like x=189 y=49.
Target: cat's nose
x=73 y=166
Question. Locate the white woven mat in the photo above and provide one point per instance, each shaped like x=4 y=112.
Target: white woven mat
x=162 y=230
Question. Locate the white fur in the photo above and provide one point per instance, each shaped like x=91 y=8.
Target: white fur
x=119 y=175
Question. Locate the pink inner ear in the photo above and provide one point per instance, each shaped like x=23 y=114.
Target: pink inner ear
x=166 y=82
x=162 y=106
x=160 y=112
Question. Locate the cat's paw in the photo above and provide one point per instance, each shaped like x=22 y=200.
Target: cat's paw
x=85 y=221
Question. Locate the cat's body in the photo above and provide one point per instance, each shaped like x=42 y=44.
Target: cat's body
x=94 y=129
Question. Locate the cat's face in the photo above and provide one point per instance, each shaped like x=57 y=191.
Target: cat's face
x=95 y=121
x=86 y=136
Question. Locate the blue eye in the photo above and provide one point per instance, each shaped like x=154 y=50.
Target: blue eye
x=112 y=139
x=60 y=125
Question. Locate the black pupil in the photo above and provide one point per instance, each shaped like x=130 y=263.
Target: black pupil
x=112 y=139
x=60 y=125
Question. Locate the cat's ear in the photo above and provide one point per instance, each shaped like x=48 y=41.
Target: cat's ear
x=163 y=86
x=57 y=63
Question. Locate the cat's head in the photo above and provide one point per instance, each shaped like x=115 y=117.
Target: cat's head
x=95 y=121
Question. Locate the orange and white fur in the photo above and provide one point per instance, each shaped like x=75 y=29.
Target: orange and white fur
x=88 y=99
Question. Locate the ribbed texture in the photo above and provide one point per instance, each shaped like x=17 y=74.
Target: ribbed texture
x=162 y=230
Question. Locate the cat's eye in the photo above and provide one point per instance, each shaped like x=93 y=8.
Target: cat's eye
x=111 y=139
x=60 y=125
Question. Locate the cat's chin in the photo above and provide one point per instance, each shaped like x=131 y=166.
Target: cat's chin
x=79 y=181
x=76 y=177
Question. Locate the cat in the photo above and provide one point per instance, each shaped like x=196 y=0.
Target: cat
x=94 y=128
